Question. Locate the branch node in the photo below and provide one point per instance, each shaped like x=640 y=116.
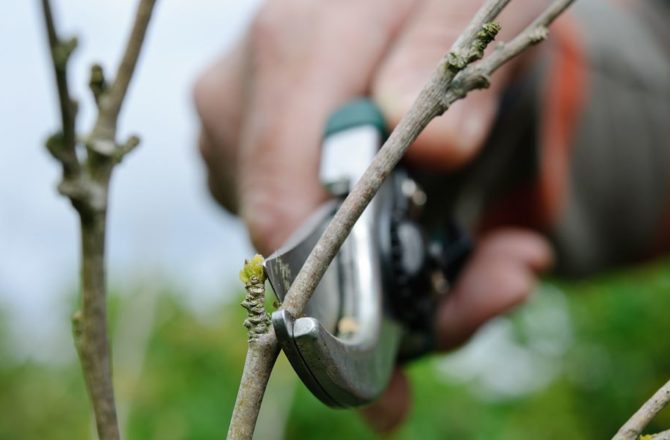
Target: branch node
x=73 y=190
x=483 y=81
x=125 y=148
x=253 y=276
x=479 y=80
x=55 y=144
x=85 y=194
x=539 y=34
x=62 y=52
x=102 y=146
x=484 y=37
x=77 y=318
x=457 y=61
x=97 y=82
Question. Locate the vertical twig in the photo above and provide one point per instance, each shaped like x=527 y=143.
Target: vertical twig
x=261 y=356
x=110 y=105
x=86 y=183
x=91 y=327
x=62 y=144
x=261 y=353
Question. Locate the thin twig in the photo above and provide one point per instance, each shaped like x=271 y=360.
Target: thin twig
x=261 y=353
x=91 y=331
x=261 y=356
x=665 y=435
x=434 y=99
x=634 y=426
x=427 y=106
x=62 y=145
x=476 y=75
x=87 y=187
x=97 y=83
x=110 y=105
x=453 y=78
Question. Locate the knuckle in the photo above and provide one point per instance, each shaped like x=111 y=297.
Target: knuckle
x=281 y=28
x=219 y=89
x=266 y=30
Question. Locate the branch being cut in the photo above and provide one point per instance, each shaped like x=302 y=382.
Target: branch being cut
x=450 y=82
x=261 y=353
x=634 y=426
x=85 y=182
x=458 y=73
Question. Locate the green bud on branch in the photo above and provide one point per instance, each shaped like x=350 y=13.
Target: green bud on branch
x=457 y=61
x=253 y=276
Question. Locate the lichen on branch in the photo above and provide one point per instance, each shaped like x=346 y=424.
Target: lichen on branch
x=253 y=276
x=457 y=61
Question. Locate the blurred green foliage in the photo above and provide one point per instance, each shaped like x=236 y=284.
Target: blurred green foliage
x=619 y=353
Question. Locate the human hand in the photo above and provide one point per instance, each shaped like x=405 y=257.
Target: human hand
x=263 y=108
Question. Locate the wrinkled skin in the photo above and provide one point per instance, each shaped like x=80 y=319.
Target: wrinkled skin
x=264 y=104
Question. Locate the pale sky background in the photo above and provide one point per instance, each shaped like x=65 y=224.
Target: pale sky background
x=162 y=220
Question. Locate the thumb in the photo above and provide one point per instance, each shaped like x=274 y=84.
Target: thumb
x=501 y=274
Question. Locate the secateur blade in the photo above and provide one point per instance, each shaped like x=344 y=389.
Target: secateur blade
x=376 y=302
x=344 y=347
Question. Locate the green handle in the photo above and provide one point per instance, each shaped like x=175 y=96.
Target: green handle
x=356 y=113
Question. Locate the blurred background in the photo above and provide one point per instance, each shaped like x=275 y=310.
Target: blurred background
x=575 y=362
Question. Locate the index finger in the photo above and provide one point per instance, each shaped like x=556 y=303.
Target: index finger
x=305 y=62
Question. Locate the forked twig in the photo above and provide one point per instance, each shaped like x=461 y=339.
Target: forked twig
x=85 y=182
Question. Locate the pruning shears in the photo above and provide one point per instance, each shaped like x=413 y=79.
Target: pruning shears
x=375 y=306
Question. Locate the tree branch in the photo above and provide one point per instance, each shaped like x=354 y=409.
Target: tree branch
x=87 y=188
x=261 y=356
x=456 y=74
x=665 y=435
x=90 y=327
x=112 y=101
x=261 y=353
x=433 y=100
x=634 y=426
x=62 y=144
x=428 y=105
x=477 y=75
